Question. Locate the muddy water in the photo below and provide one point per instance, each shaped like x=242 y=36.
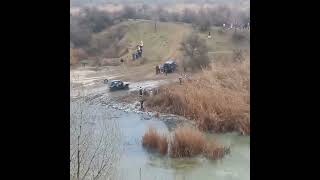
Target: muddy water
x=153 y=166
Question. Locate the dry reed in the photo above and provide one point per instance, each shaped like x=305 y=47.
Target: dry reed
x=217 y=99
x=153 y=140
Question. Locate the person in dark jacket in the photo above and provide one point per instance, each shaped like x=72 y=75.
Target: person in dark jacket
x=133 y=56
x=141 y=104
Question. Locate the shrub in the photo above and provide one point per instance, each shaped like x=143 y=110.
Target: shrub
x=150 y=139
x=215 y=151
x=153 y=140
x=238 y=37
x=76 y=55
x=195 y=52
x=186 y=142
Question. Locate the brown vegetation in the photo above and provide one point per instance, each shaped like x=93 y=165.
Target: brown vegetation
x=218 y=99
x=195 y=52
x=163 y=144
x=76 y=55
x=215 y=151
x=186 y=142
x=153 y=140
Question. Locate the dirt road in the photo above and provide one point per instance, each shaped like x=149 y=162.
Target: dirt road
x=89 y=82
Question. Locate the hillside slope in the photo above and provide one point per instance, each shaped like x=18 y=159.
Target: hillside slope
x=165 y=42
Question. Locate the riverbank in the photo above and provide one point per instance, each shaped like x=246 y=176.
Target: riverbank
x=217 y=100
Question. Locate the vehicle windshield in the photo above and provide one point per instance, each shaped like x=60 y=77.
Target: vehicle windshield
x=114 y=83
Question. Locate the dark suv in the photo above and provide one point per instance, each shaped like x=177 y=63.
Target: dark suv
x=169 y=66
x=118 y=85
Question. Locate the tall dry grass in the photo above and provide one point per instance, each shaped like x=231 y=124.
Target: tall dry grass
x=217 y=99
x=186 y=142
x=163 y=144
x=155 y=141
x=214 y=150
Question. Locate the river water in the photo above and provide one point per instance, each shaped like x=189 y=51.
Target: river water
x=134 y=158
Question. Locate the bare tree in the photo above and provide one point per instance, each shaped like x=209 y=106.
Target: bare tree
x=195 y=51
x=145 y=7
x=94 y=142
x=188 y=16
x=80 y=35
x=96 y=20
x=156 y=16
x=202 y=20
x=109 y=43
x=129 y=12
x=90 y=21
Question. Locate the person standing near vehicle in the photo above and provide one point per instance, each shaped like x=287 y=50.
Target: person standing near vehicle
x=133 y=56
x=141 y=98
x=141 y=46
x=141 y=104
x=140 y=91
x=138 y=51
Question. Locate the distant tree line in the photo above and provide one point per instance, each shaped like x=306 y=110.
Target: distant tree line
x=91 y=20
x=202 y=19
x=88 y=37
